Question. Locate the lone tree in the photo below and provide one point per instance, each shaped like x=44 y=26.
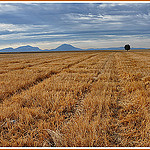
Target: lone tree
x=127 y=47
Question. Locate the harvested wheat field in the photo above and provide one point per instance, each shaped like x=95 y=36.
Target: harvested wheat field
x=75 y=99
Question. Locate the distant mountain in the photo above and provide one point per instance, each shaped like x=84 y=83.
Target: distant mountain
x=10 y=49
x=66 y=47
x=27 y=48
x=63 y=47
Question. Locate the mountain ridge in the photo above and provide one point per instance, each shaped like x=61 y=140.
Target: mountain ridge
x=26 y=48
x=66 y=47
x=63 y=47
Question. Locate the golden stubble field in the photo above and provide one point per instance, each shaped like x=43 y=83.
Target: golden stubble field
x=75 y=99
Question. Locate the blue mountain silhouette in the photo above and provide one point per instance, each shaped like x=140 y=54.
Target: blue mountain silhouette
x=27 y=48
x=66 y=47
x=63 y=47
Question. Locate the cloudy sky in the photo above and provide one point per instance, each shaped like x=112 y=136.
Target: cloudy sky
x=84 y=25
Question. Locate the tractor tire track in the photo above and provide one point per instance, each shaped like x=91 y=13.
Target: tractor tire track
x=95 y=79
x=116 y=96
x=41 y=79
x=123 y=125
x=114 y=135
x=86 y=90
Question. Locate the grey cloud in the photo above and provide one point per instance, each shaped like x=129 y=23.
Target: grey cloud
x=7 y=32
x=75 y=20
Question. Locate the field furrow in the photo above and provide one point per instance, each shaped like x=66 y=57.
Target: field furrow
x=17 y=81
x=9 y=64
x=27 y=65
x=94 y=73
